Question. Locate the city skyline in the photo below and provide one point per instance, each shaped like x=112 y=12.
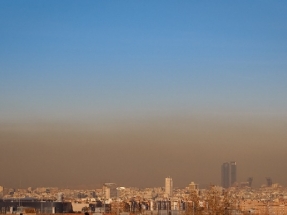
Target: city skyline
x=131 y=92
x=242 y=199
x=112 y=190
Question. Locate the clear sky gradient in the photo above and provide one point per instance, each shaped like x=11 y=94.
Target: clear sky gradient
x=100 y=61
x=72 y=58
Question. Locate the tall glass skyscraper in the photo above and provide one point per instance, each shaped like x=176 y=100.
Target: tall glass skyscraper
x=228 y=174
x=232 y=172
x=225 y=175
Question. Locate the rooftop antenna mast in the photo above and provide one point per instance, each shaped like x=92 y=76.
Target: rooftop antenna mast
x=19 y=192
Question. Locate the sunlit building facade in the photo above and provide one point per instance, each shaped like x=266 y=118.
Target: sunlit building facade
x=232 y=173
x=168 y=186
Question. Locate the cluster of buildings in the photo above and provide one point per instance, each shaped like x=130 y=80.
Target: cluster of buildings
x=229 y=198
x=228 y=174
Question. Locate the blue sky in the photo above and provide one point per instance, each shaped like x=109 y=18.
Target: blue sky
x=86 y=59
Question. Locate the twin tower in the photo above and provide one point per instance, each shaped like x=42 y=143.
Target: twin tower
x=228 y=174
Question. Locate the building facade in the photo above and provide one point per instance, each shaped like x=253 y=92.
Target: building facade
x=233 y=177
x=225 y=175
x=228 y=174
x=41 y=207
x=168 y=186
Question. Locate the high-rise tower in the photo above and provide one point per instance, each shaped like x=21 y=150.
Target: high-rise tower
x=225 y=179
x=249 y=180
x=269 y=181
x=232 y=172
x=168 y=186
x=228 y=174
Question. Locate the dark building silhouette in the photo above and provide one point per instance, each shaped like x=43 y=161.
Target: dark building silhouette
x=225 y=175
x=48 y=207
x=269 y=181
x=228 y=174
x=249 y=180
